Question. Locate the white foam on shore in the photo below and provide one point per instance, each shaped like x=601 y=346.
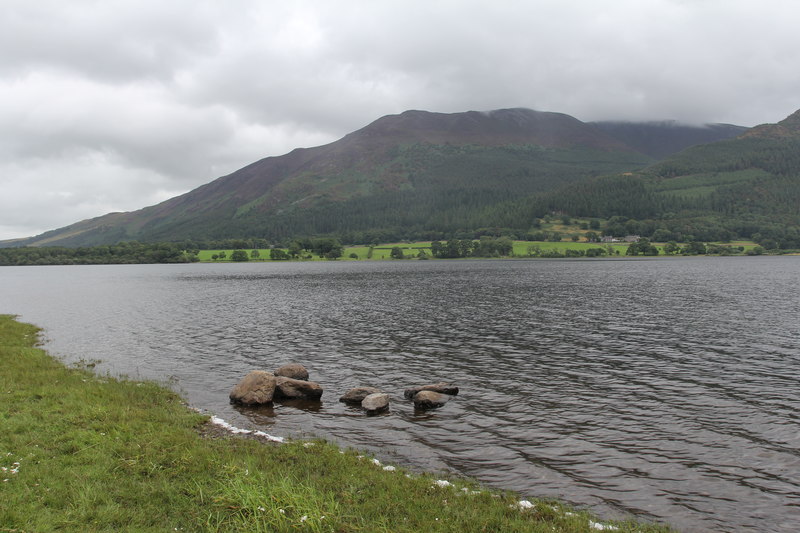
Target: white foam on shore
x=522 y=505
x=233 y=429
x=601 y=527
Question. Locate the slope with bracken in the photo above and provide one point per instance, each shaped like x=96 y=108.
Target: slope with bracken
x=417 y=170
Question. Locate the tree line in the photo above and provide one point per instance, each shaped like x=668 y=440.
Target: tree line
x=131 y=252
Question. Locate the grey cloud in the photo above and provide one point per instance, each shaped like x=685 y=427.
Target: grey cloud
x=116 y=105
x=113 y=41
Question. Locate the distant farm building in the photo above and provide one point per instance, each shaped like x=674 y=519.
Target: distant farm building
x=626 y=238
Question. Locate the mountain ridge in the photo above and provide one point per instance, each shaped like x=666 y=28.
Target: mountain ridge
x=788 y=127
x=660 y=139
x=414 y=162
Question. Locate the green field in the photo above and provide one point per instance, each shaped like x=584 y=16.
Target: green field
x=81 y=452
x=410 y=250
x=522 y=249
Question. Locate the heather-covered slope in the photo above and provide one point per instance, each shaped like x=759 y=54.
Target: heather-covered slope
x=427 y=170
x=428 y=175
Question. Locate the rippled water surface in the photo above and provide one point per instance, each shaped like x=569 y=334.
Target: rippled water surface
x=663 y=388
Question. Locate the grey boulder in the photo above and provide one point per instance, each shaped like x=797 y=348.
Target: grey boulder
x=357 y=394
x=294 y=371
x=427 y=399
x=441 y=388
x=257 y=387
x=296 y=389
x=375 y=403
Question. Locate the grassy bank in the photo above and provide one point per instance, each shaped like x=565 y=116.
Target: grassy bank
x=85 y=453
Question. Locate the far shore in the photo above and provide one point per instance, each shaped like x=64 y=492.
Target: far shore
x=521 y=250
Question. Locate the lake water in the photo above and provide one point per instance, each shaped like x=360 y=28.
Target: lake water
x=664 y=388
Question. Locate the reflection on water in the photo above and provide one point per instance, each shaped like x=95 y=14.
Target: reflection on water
x=663 y=388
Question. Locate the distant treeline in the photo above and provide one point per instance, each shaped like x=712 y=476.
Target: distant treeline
x=485 y=247
x=122 y=253
x=496 y=242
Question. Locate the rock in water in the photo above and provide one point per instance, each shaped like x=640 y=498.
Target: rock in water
x=428 y=399
x=441 y=388
x=294 y=371
x=297 y=389
x=357 y=394
x=257 y=387
x=375 y=403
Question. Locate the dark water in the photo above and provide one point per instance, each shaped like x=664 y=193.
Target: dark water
x=663 y=388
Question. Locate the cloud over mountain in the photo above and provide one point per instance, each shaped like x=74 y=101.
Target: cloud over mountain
x=116 y=105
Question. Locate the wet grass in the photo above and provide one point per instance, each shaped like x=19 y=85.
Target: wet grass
x=80 y=452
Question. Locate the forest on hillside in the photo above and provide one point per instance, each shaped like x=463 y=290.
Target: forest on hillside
x=742 y=188
x=747 y=188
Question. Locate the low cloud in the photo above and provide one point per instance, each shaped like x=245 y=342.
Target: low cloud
x=117 y=105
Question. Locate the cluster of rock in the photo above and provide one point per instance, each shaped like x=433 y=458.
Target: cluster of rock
x=291 y=382
x=431 y=396
x=286 y=383
x=374 y=401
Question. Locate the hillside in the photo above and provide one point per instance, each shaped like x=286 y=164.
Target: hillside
x=662 y=139
x=420 y=170
x=424 y=175
x=748 y=186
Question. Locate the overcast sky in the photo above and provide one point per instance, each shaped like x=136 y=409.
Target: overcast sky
x=115 y=105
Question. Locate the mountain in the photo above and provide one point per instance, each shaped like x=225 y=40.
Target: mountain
x=786 y=128
x=413 y=174
x=747 y=186
x=422 y=170
x=662 y=139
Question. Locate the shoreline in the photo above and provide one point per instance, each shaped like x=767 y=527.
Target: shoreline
x=99 y=453
x=399 y=251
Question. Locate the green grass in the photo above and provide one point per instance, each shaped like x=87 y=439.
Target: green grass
x=747 y=245
x=79 y=452
x=411 y=249
x=521 y=247
x=206 y=255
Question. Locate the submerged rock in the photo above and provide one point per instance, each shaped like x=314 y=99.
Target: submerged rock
x=294 y=371
x=297 y=389
x=375 y=403
x=441 y=388
x=428 y=399
x=257 y=387
x=357 y=394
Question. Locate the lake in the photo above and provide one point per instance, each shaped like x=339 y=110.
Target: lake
x=664 y=388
